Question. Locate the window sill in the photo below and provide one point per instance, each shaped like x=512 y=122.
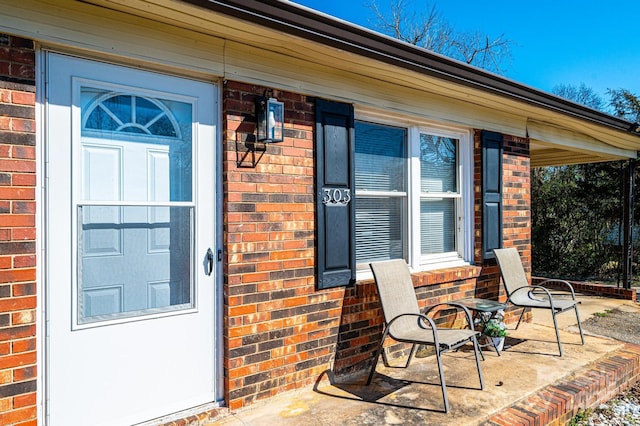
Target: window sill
x=435 y=274
x=445 y=275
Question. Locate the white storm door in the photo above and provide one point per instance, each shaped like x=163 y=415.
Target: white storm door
x=130 y=220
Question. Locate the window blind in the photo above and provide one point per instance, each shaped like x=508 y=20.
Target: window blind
x=380 y=192
x=438 y=225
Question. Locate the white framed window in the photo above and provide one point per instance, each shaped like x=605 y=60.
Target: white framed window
x=381 y=192
x=413 y=193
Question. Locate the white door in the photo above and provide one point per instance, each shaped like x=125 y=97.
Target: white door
x=129 y=224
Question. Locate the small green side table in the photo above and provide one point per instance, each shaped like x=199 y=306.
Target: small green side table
x=479 y=306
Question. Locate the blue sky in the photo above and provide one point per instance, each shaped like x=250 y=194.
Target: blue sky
x=556 y=41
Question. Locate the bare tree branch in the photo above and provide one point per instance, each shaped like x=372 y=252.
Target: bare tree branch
x=424 y=30
x=625 y=104
x=581 y=94
x=433 y=32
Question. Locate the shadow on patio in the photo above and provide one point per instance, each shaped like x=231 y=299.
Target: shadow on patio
x=529 y=383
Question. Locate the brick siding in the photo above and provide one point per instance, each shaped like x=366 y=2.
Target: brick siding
x=280 y=333
x=558 y=403
x=17 y=232
x=283 y=333
x=606 y=290
x=516 y=217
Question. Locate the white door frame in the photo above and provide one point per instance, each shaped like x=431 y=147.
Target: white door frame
x=42 y=249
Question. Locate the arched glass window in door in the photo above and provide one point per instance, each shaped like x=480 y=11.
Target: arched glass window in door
x=118 y=112
x=135 y=205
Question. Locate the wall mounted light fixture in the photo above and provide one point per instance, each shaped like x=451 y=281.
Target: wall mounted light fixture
x=270 y=116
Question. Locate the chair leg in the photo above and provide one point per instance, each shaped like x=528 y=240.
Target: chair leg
x=442 y=384
x=377 y=355
x=520 y=318
x=375 y=363
x=413 y=351
x=555 y=325
x=385 y=360
x=476 y=349
x=579 y=325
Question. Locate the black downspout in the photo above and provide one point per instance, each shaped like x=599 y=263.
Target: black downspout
x=627 y=252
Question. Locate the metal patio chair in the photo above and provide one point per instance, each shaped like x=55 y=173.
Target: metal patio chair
x=521 y=293
x=403 y=321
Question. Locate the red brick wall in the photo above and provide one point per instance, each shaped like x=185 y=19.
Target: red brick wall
x=516 y=196
x=283 y=333
x=280 y=332
x=516 y=215
x=17 y=232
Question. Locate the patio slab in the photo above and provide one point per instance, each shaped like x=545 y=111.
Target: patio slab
x=413 y=396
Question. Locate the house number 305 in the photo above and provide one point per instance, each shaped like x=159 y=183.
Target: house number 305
x=336 y=196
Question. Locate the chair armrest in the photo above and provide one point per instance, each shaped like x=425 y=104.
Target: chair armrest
x=424 y=317
x=531 y=290
x=455 y=305
x=564 y=282
x=421 y=316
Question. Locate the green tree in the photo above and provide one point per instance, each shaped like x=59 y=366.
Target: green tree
x=575 y=219
x=576 y=209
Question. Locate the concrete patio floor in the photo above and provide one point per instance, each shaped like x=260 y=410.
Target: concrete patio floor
x=413 y=395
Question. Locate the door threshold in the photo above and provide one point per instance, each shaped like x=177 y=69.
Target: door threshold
x=203 y=413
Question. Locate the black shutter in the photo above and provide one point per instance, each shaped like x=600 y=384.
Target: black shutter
x=335 y=204
x=491 y=193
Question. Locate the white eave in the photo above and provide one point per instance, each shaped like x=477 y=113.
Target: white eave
x=286 y=46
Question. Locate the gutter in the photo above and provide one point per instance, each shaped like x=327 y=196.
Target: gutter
x=306 y=23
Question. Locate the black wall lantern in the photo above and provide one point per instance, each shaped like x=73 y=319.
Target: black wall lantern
x=270 y=116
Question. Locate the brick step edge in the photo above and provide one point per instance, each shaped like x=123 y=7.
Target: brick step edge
x=557 y=404
x=204 y=418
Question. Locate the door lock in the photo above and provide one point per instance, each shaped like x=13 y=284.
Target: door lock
x=210 y=261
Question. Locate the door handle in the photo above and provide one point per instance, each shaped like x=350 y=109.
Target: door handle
x=210 y=261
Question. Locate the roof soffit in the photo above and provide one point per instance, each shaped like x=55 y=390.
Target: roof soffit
x=228 y=20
